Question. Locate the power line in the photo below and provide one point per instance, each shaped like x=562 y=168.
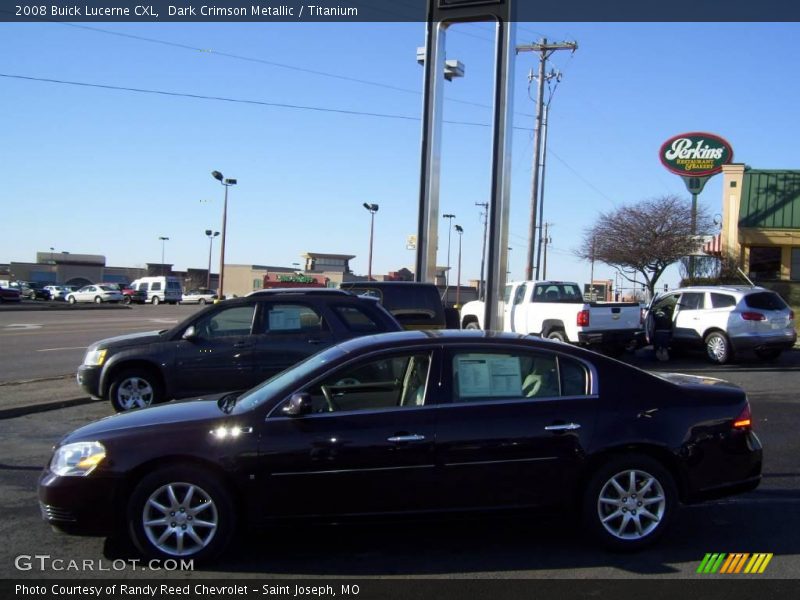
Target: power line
x=239 y=100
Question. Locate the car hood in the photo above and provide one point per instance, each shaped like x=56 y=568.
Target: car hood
x=129 y=339
x=185 y=411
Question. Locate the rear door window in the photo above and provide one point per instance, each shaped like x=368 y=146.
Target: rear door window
x=356 y=319
x=692 y=301
x=722 y=300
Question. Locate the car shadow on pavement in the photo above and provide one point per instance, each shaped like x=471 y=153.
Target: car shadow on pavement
x=550 y=545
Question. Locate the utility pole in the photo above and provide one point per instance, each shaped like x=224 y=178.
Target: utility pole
x=544 y=49
x=485 y=206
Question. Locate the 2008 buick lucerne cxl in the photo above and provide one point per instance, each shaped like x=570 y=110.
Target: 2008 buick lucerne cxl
x=411 y=422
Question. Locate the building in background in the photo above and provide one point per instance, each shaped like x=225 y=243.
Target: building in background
x=761 y=226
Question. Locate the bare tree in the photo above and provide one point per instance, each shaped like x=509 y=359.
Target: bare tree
x=645 y=237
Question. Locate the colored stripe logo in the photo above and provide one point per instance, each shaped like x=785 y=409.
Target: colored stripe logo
x=730 y=564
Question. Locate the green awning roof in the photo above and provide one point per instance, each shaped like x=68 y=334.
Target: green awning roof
x=770 y=200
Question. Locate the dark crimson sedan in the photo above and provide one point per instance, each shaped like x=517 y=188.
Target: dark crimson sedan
x=411 y=422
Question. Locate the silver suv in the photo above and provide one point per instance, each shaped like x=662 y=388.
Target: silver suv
x=724 y=320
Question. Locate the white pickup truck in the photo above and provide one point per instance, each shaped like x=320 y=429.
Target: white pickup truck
x=557 y=310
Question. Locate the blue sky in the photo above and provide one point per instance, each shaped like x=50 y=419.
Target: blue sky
x=100 y=171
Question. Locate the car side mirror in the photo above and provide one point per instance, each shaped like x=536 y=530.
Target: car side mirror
x=190 y=334
x=298 y=405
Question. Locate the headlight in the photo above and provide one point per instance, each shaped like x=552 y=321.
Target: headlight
x=79 y=458
x=95 y=357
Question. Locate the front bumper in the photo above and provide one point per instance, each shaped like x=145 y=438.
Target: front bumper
x=88 y=378
x=78 y=505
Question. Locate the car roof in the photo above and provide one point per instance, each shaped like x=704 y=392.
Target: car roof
x=300 y=291
x=380 y=284
x=721 y=288
x=451 y=336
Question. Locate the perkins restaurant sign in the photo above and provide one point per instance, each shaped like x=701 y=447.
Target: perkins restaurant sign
x=695 y=154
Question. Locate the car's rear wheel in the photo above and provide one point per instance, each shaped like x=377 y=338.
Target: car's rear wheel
x=126 y=299
x=557 y=334
x=181 y=511
x=472 y=324
x=629 y=501
x=156 y=300
x=718 y=348
x=135 y=388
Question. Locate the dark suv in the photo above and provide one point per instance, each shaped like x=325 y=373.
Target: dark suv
x=416 y=305
x=229 y=346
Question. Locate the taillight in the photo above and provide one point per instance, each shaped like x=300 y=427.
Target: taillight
x=583 y=318
x=753 y=316
x=745 y=418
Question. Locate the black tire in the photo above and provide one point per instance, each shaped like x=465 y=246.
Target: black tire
x=210 y=503
x=98 y=300
x=156 y=301
x=202 y=301
x=126 y=300
x=557 y=334
x=655 y=493
x=71 y=300
x=472 y=324
x=718 y=348
x=135 y=388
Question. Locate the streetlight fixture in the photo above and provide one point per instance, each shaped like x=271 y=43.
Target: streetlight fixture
x=211 y=235
x=227 y=183
x=163 y=242
x=372 y=208
x=447 y=273
x=460 y=232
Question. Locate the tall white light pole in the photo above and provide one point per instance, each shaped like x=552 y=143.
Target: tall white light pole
x=211 y=235
x=227 y=183
x=459 y=231
x=450 y=218
x=163 y=242
x=372 y=208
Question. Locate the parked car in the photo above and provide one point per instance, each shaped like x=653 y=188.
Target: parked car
x=725 y=320
x=558 y=310
x=159 y=289
x=33 y=290
x=97 y=293
x=8 y=294
x=129 y=294
x=199 y=296
x=228 y=346
x=416 y=305
x=411 y=422
x=57 y=292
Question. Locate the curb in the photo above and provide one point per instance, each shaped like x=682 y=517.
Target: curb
x=20 y=411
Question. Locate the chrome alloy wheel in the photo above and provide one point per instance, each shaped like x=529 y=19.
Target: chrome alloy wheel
x=134 y=392
x=180 y=519
x=631 y=505
x=717 y=348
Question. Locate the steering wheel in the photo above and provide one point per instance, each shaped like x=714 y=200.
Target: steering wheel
x=348 y=381
x=326 y=391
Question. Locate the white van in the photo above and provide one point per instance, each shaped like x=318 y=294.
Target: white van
x=160 y=289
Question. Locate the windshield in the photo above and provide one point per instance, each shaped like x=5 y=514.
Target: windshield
x=287 y=380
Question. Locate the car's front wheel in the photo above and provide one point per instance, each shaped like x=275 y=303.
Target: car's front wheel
x=202 y=301
x=718 y=348
x=98 y=300
x=156 y=300
x=629 y=501
x=181 y=511
x=71 y=300
x=135 y=388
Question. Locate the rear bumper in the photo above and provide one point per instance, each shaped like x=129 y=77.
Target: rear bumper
x=780 y=341
x=618 y=337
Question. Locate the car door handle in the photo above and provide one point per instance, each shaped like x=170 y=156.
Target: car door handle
x=314 y=341
x=241 y=344
x=563 y=427
x=405 y=438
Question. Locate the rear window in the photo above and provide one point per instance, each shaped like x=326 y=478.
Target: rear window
x=173 y=285
x=765 y=301
x=357 y=320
